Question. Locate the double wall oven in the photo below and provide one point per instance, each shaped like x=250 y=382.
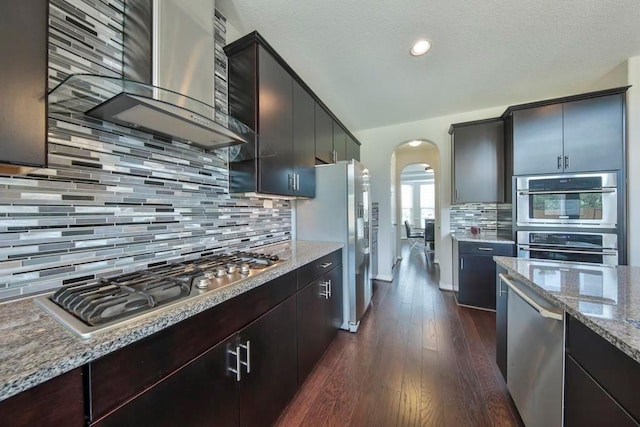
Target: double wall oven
x=569 y=217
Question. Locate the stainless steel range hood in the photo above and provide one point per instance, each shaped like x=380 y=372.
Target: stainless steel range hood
x=179 y=106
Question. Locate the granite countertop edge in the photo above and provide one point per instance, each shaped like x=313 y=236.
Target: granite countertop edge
x=612 y=338
x=53 y=350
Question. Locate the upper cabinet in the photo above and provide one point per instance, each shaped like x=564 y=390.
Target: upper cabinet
x=324 y=135
x=339 y=142
x=478 y=161
x=264 y=95
x=576 y=134
x=23 y=102
x=353 y=149
x=294 y=129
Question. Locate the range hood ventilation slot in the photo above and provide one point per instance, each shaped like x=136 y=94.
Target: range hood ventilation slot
x=147 y=108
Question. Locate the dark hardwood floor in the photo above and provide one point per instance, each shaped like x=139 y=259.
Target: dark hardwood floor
x=417 y=360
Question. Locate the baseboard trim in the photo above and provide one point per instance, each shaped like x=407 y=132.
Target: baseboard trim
x=445 y=286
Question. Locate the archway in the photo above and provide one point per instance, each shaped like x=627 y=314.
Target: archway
x=410 y=157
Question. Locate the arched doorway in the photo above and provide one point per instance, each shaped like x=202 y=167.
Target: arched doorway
x=416 y=163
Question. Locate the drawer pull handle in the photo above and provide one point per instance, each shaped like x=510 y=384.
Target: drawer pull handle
x=326 y=264
x=247 y=348
x=485 y=249
x=236 y=370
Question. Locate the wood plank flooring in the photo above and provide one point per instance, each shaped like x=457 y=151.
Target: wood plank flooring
x=417 y=360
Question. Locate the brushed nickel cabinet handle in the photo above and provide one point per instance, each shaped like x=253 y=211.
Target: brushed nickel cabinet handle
x=236 y=370
x=247 y=348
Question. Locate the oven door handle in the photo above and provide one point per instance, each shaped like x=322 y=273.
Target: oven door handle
x=533 y=193
x=533 y=248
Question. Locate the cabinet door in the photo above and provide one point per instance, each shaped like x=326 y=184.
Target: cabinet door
x=353 y=149
x=324 y=135
x=275 y=126
x=23 y=73
x=588 y=404
x=478 y=163
x=311 y=327
x=272 y=378
x=335 y=312
x=501 y=323
x=477 y=281
x=339 y=142
x=202 y=393
x=537 y=140
x=304 y=141
x=593 y=134
x=57 y=402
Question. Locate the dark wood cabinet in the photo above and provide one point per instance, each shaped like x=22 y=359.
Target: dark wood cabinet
x=197 y=394
x=324 y=135
x=594 y=134
x=537 y=140
x=478 y=161
x=613 y=375
x=353 y=149
x=586 y=403
x=264 y=95
x=23 y=92
x=270 y=379
x=477 y=272
x=319 y=318
x=57 y=402
x=582 y=133
x=339 y=142
x=275 y=126
x=502 y=295
x=304 y=142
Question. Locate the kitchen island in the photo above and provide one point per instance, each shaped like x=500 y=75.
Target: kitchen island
x=596 y=346
x=35 y=348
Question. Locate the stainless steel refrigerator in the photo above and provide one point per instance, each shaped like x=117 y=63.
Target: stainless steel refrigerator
x=340 y=213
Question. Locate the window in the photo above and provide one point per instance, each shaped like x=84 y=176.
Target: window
x=427 y=201
x=407 y=202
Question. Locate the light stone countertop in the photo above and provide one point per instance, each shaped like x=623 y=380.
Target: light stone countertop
x=481 y=238
x=35 y=348
x=605 y=298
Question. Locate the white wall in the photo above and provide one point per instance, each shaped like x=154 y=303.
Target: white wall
x=378 y=146
x=633 y=160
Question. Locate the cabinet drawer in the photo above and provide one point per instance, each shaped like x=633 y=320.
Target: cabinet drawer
x=317 y=268
x=489 y=249
x=119 y=375
x=616 y=372
x=587 y=404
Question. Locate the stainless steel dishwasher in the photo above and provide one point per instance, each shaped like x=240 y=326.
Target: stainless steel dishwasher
x=535 y=350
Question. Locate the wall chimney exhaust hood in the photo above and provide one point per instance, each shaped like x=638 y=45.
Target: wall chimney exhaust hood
x=169 y=43
x=154 y=110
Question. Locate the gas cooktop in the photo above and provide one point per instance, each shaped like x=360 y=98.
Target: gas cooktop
x=90 y=308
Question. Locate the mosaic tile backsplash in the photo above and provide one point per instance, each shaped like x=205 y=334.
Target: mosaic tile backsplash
x=494 y=219
x=115 y=200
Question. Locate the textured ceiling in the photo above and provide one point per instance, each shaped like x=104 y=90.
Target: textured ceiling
x=355 y=54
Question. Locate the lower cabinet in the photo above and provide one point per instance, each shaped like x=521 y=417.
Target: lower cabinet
x=501 y=322
x=601 y=382
x=246 y=380
x=476 y=272
x=268 y=381
x=201 y=393
x=319 y=318
x=57 y=402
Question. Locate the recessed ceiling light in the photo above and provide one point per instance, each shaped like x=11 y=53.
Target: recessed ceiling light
x=420 y=47
x=415 y=143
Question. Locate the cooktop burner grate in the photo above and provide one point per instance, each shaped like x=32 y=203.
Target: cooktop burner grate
x=126 y=295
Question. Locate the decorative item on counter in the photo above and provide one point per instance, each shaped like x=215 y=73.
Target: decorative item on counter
x=475 y=230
